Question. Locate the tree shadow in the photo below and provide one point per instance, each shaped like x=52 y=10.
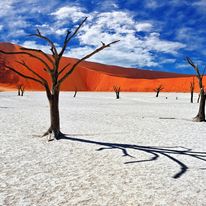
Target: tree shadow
x=156 y=152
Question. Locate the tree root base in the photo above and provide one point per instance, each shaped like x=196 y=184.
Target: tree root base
x=51 y=135
x=198 y=119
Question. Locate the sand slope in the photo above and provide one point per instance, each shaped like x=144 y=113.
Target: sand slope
x=90 y=76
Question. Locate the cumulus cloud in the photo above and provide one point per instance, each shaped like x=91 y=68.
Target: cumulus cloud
x=134 y=49
x=69 y=12
x=35 y=45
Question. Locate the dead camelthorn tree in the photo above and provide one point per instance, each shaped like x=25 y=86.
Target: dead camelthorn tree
x=117 y=91
x=18 y=89
x=198 y=99
x=201 y=113
x=192 y=87
x=22 y=90
x=75 y=92
x=158 y=89
x=56 y=73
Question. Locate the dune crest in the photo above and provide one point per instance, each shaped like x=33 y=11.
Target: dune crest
x=90 y=76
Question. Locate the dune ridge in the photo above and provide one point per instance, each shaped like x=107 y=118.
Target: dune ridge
x=91 y=76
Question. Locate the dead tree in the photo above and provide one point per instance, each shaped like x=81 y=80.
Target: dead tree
x=19 y=89
x=192 y=87
x=22 y=90
x=198 y=99
x=158 y=89
x=75 y=92
x=117 y=91
x=201 y=112
x=57 y=74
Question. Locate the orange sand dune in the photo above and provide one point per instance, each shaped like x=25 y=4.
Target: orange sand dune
x=90 y=76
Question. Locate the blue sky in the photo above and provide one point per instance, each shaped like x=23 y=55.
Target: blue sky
x=153 y=34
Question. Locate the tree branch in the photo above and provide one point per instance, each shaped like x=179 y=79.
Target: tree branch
x=40 y=51
x=29 y=54
x=203 y=73
x=31 y=70
x=84 y=58
x=53 y=47
x=62 y=70
x=23 y=75
x=189 y=60
x=67 y=38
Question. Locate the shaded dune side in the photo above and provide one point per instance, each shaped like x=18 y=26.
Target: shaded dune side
x=90 y=76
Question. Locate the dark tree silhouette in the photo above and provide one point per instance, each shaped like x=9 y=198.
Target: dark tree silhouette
x=75 y=92
x=192 y=87
x=6 y=74
x=198 y=99
x=52 y=67
x=158 y=89
x=20 y=89
x=201 y=112
x=117 y=91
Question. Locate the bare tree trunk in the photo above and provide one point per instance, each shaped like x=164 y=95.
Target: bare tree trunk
x=117 y=95
x=54 y=114
x=75 y=93
x=18 y=92
x=191 y=98
x=198 y=99
x=22 y=91
x=201 y=113
x=192 y=87
x=117 y=91
x=158 y=89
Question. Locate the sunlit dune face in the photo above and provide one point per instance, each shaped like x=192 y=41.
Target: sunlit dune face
x=90 y=76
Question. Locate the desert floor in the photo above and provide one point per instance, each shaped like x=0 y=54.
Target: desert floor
x=138 y=150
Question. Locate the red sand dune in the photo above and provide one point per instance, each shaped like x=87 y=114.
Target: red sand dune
x=90 y=76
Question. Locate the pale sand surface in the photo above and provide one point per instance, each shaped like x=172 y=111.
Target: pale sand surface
x=118 y=152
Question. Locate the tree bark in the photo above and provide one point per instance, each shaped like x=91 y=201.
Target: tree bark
x=117 y=95
x=75 y=93
x=191 y=99
x=198 y=99
x=157 y=93
x=54 y=114
x=201 y=113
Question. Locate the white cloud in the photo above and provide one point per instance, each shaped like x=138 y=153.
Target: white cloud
x=182 y=66
x=69 y=12
x=144 y=26
x=5 y=6
x=166 y=61
x=1 y=27
x=201 y=4
x=154 y=42
x=34 y=45
x=133 y=49
x=153 y=4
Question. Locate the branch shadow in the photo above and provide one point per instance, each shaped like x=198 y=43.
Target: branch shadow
x=156 y=152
